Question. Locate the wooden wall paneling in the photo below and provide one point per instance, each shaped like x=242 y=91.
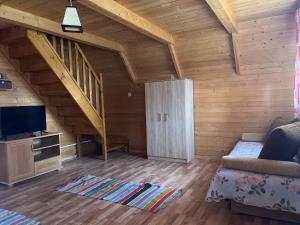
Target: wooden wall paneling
x=125 y=116
x=142 y=55
x=188 y=13
x=246 y=10
x=227 y=106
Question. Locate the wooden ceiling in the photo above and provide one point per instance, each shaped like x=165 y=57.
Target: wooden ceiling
x=188 y=21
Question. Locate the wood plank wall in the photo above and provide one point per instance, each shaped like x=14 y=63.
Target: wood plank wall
x=22 y=94
x=226 y=104
x=125 y=116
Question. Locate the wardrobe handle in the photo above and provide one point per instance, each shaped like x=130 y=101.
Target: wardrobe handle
x=159 y=117
x=165 y=117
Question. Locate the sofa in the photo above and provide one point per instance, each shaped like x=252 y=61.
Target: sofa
x=260 y=187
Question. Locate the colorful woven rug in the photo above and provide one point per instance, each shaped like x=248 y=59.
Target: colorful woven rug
x=150 y=197
x=13 y=218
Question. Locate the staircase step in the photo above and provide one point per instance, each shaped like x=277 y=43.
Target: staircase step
x=61 y=101
x=70 y=111
x=75 y=121
x=33 y=63
x=12 y=35
x=43 y=77
x=22 y=49
x=52 y=89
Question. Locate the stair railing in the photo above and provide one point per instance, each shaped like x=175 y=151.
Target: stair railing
x=81 y=70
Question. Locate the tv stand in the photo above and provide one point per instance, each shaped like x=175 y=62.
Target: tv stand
x=29 y=157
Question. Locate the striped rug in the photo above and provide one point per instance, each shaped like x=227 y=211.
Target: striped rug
x=150 y=197
x=13 y=218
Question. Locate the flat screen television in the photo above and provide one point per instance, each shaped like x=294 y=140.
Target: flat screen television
x=21 y=120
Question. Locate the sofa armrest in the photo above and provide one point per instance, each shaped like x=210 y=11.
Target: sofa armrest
x=259 y=137
x=273 y=167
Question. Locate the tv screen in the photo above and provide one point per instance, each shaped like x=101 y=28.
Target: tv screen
x=22 y=119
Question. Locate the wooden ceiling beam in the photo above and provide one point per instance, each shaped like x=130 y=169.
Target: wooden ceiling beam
x=224 y=14
x=121 y=14
x=175 y=61
x=236 y=52
x=128 y=66
x=31 y=21
x=226 y=17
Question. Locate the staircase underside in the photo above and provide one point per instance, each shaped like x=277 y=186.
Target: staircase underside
x=48 y=73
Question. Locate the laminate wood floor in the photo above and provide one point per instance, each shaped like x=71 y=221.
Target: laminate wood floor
x=38 y=199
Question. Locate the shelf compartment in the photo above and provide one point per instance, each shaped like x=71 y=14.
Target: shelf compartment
x=46 y=153
x=47 y=141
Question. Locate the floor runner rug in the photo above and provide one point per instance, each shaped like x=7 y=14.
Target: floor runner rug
x=13 y=218
x=150 y=197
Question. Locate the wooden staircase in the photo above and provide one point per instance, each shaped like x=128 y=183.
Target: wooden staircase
x=64 y=78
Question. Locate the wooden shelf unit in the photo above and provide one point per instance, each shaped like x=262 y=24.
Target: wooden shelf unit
x=25 y=158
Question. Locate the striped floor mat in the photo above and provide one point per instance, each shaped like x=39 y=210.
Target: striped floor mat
x=150 y=197
x=13 y=218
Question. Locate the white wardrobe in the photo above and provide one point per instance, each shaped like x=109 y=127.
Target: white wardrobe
x=170 y=120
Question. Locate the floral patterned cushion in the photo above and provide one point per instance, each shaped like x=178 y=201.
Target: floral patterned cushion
x=255 y=189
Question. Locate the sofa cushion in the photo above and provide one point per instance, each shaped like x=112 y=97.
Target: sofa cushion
x=277 y=122
x=280 y=168
x=283 y=143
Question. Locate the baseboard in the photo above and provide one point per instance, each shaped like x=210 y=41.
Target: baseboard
x=207 y=157
x=168 y=159
x=70 y=158
x=139 y=154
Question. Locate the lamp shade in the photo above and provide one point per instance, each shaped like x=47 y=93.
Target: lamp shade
x=71 y=21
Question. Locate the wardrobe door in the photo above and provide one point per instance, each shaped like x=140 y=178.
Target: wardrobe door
x=174 y=119
x=154 y=117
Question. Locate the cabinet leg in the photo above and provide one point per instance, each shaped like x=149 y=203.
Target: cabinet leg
x=79 y=146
